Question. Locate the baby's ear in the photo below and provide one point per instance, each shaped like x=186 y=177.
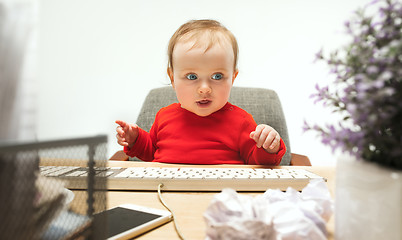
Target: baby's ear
x=170 y=74
x=235 y=75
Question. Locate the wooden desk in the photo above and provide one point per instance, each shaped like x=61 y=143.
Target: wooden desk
x=189 y=207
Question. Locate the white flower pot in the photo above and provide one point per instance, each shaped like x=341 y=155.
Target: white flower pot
x=368 y=201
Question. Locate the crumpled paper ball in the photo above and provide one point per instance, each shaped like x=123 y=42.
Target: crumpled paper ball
x=274 y=215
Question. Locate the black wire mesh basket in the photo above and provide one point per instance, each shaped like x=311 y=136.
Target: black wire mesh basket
x=37 y=203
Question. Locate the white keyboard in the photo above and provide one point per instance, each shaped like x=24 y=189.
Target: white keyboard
x=186 y=178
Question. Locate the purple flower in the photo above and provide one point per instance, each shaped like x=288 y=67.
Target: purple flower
x=372 y=69
x=360 y=77
x=318 y=56
x=351 y=108
x=362 y=87
x=385 y=76
x=378 y=84
x=367 y=87
x=372 y=2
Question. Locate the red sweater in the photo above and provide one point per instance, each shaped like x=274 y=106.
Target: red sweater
x=180 y=136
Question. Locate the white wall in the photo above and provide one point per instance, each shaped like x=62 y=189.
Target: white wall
x=97 y=60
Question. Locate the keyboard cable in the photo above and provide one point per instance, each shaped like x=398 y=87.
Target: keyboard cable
x=173 y=216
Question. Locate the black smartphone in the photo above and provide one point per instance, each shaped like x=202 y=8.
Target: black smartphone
x=128 y=220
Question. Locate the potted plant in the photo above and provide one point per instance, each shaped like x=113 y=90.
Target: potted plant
x=366 y=93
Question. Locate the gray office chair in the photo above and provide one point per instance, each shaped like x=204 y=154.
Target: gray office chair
x=263 y=104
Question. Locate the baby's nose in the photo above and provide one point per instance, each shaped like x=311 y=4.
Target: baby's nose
x=204 y=88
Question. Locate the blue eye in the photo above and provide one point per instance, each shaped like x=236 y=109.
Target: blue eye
x=217 y=76
x=191 y=76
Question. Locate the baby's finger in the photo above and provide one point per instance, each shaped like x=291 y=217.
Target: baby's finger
x=121 y=141
x=269 y=140
x=257 y=133
x=119 y=136
x=133 y=127
x=124 y=144
x=121 y=123
x=275 y=142
x=265 y=133
x=124 y=127
x=120 y=131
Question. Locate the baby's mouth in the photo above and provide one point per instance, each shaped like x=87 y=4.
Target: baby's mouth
x=204 y=102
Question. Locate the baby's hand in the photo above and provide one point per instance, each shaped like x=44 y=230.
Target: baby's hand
x=266 y=137
x=126 y=133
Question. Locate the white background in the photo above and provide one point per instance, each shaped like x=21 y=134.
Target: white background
x=97 y=59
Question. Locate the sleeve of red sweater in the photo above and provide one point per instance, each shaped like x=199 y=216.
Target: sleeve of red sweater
x=144 y=147
x=254 y=155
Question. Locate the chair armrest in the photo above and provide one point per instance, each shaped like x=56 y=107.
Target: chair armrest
x=299 y=160
x=119 y=156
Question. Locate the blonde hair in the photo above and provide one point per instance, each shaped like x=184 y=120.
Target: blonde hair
x=195 y=29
